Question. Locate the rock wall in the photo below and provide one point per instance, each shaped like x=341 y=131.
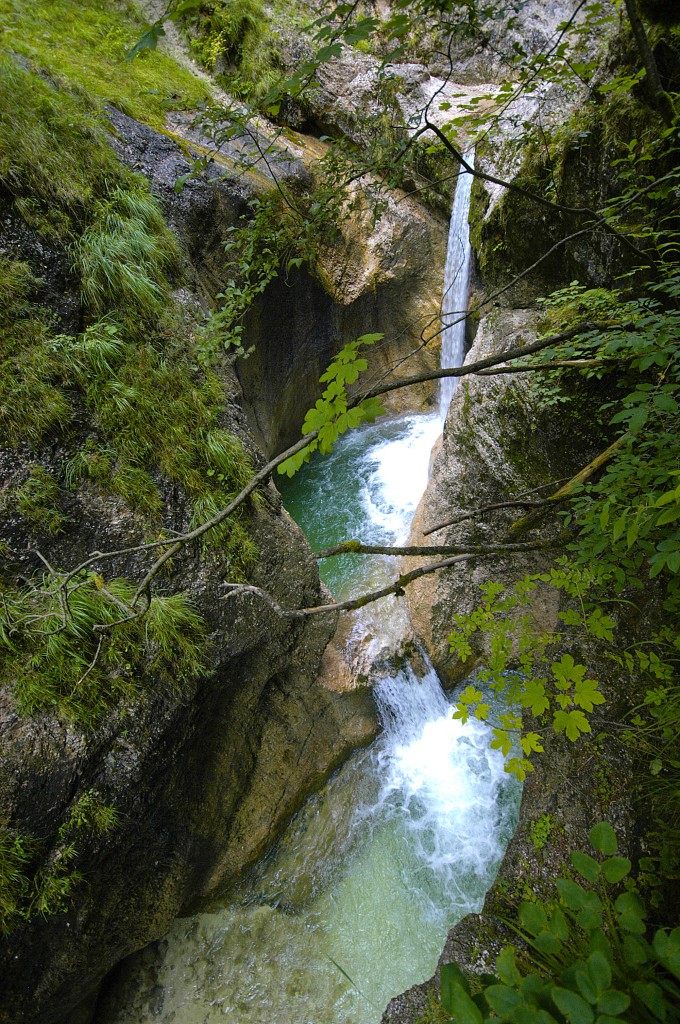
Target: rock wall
x=372 y=277
x=498 y=445
x=204 y=775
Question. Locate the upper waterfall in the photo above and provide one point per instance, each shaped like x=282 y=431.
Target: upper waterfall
x=456 y=280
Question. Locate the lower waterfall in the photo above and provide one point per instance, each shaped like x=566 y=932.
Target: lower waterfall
x=354 y=903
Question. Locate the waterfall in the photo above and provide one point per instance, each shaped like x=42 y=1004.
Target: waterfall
x=354 y=903
x=456 y=280
x=400 y=844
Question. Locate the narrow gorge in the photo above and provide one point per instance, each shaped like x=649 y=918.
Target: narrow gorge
x=233 y=784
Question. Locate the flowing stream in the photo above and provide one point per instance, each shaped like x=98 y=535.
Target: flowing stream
x=353 y=905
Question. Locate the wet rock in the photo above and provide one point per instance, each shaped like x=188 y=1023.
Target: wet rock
x=202 y=776
x=485 y=458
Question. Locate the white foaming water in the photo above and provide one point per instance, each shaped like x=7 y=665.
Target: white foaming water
x=403 y=842
x=456 y=281
x=398 y=470
x=449 y=786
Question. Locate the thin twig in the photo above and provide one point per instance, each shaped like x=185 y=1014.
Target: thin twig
x=91 y=665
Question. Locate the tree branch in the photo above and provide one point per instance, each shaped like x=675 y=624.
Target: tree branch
x=496 y=506
x=396 y=587
x=489 y=361
x=524 y=524
x=355 y=547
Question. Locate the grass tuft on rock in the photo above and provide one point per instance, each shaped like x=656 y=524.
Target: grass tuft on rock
x=83 y=43
x=124 y=256
x=53 y=659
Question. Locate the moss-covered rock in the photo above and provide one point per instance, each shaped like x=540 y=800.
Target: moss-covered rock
x=201 y=768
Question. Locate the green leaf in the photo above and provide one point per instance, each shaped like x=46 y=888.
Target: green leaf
x=589 y=919
x=370 y=339
x=667 y=948
x=460 y=1006
x=451 y=977
x=585 y=985
x=613 y=1002
x=573 y=723
x=566 y=671
x=586 y=694
x=619 y=527
x=652 y=996
x=616 y=868
x=181 y=181
x=534 y=696
x=502 y=999
x=573 y=894
x=634 y=951
x=600 y=943
x=506 y=967
x=533 y=917
x=631 y=913
x=548 y=943
x=531 y=741
x=599 y=973
x=558 y=924
x=572 y=1005
x=147 y=41
x=292 y=464
x=586 y=865
x=603 y=838
x=501 y=741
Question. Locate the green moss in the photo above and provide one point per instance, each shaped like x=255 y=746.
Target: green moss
x=84 y=42
x=16 y=851
x=33 y=881
x=434 y=1012
x=233 y=38
x=30 y=403
x=104 y=467
x=541 y=829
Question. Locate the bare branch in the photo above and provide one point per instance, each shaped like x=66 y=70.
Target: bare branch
x=557 y=364
x=496 y=506
x=396 y=588
x=489 y=361
x=91 y=665
x=355 y=547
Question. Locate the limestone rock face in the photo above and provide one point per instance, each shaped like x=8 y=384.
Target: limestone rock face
x=496 y=447
x=385 y=278
x=203 y=775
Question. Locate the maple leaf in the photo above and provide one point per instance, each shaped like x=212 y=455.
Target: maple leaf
x=586 y=694
x=501 y=741
x=573 y=723
x=534 y=697
x=566 y=672
x=532 y=741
